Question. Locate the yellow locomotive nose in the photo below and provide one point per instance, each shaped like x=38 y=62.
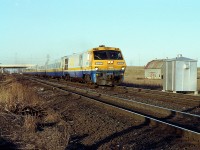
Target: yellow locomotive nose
x=110 y=64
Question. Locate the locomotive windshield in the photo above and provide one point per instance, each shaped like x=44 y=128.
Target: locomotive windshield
x=107 y=54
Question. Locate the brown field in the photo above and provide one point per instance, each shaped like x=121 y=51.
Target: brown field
x=135 y=75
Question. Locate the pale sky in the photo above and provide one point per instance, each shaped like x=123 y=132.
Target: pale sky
x=143 y=29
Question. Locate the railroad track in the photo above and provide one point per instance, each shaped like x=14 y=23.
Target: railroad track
x=165 y=97
x=183 y=124
x=179 y=101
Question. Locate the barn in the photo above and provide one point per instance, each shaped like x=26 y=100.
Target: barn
x=153 y=69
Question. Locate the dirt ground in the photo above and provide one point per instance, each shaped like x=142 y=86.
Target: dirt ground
x=63 y=121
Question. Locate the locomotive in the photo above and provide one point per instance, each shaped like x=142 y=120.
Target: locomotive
x=101 y=65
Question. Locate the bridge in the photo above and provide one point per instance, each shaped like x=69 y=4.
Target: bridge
x=14 y=66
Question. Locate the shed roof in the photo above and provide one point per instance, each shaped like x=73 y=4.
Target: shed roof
x=180 y=58
x=155 y=64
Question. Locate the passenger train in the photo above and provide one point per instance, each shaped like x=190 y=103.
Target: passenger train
x=101 y=65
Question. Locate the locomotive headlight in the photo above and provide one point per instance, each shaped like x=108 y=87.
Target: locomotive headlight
x=123 y=68
x=96 y=68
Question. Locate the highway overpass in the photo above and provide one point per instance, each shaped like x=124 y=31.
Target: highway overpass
x=14 y=66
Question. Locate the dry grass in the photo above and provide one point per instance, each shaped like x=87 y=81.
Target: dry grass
x=16 y=94
x=52 y=117
x=134 y=72
x=135 y=75
x=30 y=124
x=18 y=99
x=198 y=73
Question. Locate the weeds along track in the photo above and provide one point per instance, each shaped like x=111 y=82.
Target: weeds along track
x=184 y=125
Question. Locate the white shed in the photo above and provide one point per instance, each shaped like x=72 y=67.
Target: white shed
x=180 y=74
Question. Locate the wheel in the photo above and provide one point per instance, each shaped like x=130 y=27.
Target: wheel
x=87 y=78
x=67 y=77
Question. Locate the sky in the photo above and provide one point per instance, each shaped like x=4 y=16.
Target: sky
x=32 y=30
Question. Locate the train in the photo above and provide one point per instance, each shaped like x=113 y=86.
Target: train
x=101 y=65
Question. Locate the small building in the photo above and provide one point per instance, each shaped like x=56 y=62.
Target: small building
x=180 y=75
x=153 y=69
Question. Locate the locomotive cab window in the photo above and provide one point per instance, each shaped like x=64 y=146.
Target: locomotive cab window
x=115 y=55
x=100 y=55
x=105 y=55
